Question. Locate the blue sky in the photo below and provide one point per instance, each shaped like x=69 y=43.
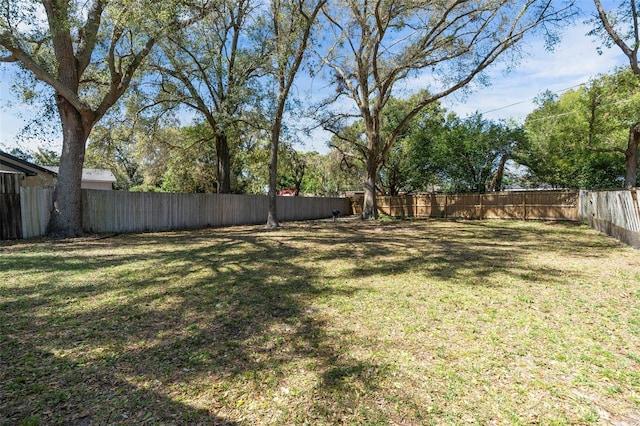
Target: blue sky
x=573 y=62
x=510 y=95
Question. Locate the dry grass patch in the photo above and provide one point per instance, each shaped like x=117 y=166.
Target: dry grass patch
x=388 y=322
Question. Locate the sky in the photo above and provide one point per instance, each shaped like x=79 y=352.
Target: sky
x=573 y=62
x=510 y=96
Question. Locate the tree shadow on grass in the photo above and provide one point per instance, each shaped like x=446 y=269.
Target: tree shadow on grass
x=469 y=252
x=208 y=326
x=177 y=328
x=42 y=388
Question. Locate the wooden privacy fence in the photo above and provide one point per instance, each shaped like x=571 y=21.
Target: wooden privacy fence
x=615 y=213
x=24 y=211
x=545 y=205
x=118 y=211
x=10 y=216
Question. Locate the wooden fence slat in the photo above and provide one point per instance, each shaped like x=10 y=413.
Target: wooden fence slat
x=10 y=209
x=546 y=205
x=119 y=211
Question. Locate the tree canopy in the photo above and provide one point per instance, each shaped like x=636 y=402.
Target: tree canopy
x=581 y=138
x=377 y=46
x=201 y=96
x=86 y=54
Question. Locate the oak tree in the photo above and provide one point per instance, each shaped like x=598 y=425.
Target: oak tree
x=379 y=47
x=86 y=53
x=212 y=68
x=620 y=27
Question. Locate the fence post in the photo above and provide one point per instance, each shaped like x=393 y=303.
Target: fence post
x=445 y=205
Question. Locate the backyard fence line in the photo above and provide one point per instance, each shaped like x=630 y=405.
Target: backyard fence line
x=615 y=213
x=25 y=211
x=526 y=205
x=120 y=211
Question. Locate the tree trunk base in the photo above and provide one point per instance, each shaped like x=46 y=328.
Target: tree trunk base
x=272 y=225
x=58 y=231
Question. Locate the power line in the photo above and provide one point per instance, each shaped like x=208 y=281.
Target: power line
x=531 y=99
x=575 y=110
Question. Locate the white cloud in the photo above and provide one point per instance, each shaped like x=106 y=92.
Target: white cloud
x=510 y=95
x=573 y=62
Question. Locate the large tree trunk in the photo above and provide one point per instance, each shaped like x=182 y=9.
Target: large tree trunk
x=370 y=205
x=272 y=216
x=496 y=182
x=224 y=164
x=66 y=218
x=631 y=157
x=296 y=188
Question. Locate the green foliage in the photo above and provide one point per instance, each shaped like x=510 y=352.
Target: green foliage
x=46 y=157
x=435 y=150
x=578 y=139
x=113 y=146
x=469 y=152
x=253 y=173
x=211 y=68
x=408 y=166
x=330 y=174
x=400 y=169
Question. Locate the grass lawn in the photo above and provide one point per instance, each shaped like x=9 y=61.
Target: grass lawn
x=321 y=323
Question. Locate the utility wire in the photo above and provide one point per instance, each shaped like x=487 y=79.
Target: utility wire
x=529 y=100
x=573 y=111
x=548 y=117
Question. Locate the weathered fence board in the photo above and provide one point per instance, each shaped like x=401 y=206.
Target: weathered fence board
x=545 y=205
x=10 y=226
x=615 y=213
x=36 y=204
x=10 y=223
x=117 y=211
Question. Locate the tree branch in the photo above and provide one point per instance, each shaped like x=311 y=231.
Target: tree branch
x=89 y=35
x=631 y=54
x=10 y=43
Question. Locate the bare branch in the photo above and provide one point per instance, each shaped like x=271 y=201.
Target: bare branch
x=630 y=53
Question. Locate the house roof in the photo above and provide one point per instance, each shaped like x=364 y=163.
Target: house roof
x=21 y=165
x=90 y=175
x=30 y=169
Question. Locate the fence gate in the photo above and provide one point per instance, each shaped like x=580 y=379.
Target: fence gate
x=10 y=215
